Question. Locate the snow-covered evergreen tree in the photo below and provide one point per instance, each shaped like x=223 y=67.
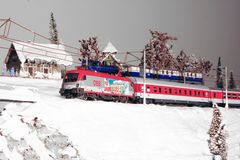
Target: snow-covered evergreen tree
x=217 y=136
x=232 y=84
x=53 y=30
x=219 y=82
x=216 y=121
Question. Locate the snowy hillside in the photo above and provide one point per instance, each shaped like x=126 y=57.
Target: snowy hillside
x=64 y=129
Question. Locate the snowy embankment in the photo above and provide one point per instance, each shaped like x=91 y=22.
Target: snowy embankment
x=58 y=128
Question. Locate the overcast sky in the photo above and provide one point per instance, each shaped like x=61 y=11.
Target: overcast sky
x=207 y=28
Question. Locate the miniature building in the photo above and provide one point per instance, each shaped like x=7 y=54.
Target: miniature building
x=37 y=60
x=109 y=56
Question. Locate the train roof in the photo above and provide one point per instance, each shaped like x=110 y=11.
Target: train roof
x=169 y=83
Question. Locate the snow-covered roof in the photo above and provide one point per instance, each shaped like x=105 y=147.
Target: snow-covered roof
x=110 y=48
x=47 y=52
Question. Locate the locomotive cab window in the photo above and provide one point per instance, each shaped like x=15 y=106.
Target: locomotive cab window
x=71 y=77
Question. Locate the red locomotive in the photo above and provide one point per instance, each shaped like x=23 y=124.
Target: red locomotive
x=88 y=84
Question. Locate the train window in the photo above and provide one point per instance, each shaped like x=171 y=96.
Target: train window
x=180 y=91
x=170 y=90
x=148 y=89
x=229 y=96
x=238 y=96
x=185 y=92
x=165 y=90
x=155 y=89
x=160 y=90
x=224 y=95
x=234 y=96
x=206 y=94
x=214 y=95
x=190 y=92
x=195 y=93
x=84 y=77
x=175 y=91
x=199 y=93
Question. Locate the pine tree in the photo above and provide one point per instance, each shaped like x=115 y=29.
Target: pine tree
x=53 y=30
x=232 y=84
x=219 y=82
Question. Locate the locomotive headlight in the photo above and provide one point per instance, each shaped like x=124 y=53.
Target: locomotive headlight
x=77 y=85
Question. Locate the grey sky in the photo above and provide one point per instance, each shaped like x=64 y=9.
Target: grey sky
x=207 y=28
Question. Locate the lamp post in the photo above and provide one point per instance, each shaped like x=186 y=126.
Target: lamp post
x=226 y=87
x=144 y=77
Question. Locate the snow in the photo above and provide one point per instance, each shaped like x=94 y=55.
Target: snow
x=110 y=48
x=59 y=128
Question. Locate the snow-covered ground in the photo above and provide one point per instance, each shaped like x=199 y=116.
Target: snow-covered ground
x=58 y=128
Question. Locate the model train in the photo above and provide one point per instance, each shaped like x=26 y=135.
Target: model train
x=87 y=84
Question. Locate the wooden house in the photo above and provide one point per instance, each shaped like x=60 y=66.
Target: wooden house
x=37 y=60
